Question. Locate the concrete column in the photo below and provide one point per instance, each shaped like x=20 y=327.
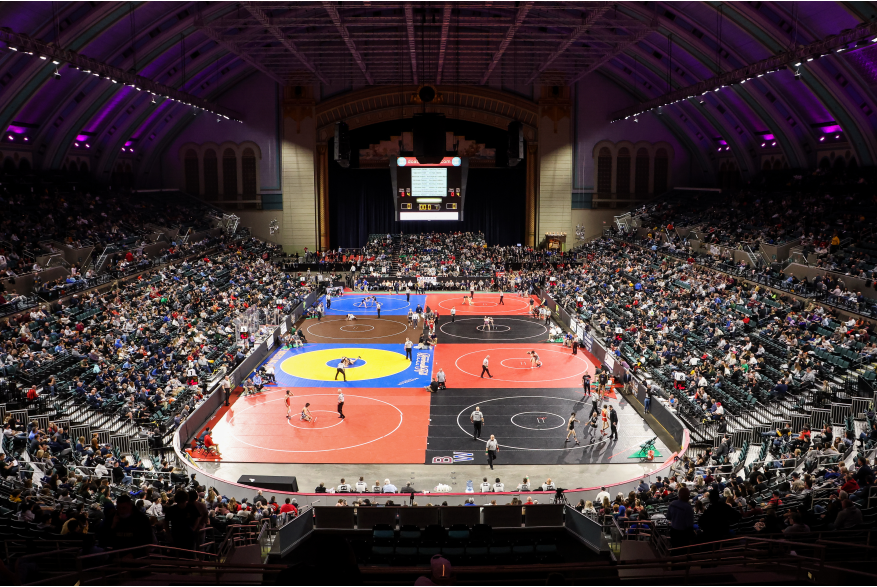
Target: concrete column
x=554 y=212
x=532 y=161
x=323 y=193
x=299 y=228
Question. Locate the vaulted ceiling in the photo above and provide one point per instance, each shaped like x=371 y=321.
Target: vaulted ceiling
x=648 y=48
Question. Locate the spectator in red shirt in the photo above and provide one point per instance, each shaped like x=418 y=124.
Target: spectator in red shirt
x=288 y=507
x=208 y=442
x=850 y=485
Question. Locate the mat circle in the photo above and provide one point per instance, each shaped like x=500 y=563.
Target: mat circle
x=348 y=396
x=309 y=427
x=481 y=328
x=331 y=323
x=562 y=420
x=467 y=410
x=491 y=350
x=525 y=363
x=334 y=363
x=495 y=328
x=314 y=365
x=356 y=328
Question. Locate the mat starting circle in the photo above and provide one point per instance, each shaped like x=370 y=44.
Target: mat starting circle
x=321 y=365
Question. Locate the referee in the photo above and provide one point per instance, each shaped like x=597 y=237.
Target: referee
x=477 y=419
x=341 y=404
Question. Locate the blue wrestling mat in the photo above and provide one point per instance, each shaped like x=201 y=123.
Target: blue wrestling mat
x=391 y=304
x=381 y=365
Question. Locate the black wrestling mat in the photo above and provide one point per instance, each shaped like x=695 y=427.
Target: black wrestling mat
x=471 y=329
x=530 y=426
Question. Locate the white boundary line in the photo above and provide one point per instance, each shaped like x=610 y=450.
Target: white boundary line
x=518 y=447
x=485 y=351
x=562 y=420
x=359 y=338
x=328 y=449
x=545 y=330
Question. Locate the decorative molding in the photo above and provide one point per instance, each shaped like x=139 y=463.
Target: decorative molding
x=379 y=104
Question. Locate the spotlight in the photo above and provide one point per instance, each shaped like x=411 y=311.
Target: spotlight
x=798 y=64
x=123 y=149
x=720 y=149
x=13 y=48
x=837 y=136
x=56 y=75
x=55 y=62
x=822 y=138
x=75 y=144
x=153 y=99
x=809 y=59
x=26 y=139
x=727 y=148
x=635 y=120
x=763 y=144
x=43 y=57
x=87 y=146
x=11 y=138
x=773 y=144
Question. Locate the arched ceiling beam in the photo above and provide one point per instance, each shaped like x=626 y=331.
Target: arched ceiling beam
x=681 y=135
x=262 y=17
x=738 y=149
x=520 y=15
x=237 y=49
x=576 y=34
x=86 y=110
x=332 y=10
x=697 y=49
x=36 y=74
x=152 y=51
x=443 y=41
x=127 y=124
x=748 y=19
x=172 y=131
x=412 y=49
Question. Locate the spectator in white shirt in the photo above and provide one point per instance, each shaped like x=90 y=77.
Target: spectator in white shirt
x=497 y=486
x=485 y=486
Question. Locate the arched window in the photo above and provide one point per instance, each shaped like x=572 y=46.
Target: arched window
x=824 y=163
x=24 y=165
x=83 y=168
x=211 y=174
x=839 y=163
x=853 y=163
x=604 y=171
x=662 y=171
x=766 y=165
x=622 y=172
x=777 y=164
x=190 y=171
x=8 y=164
x=229 y=173
x=248 y=171
x=642 y=172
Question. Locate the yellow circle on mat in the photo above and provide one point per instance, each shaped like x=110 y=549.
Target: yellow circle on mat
x=378 y=363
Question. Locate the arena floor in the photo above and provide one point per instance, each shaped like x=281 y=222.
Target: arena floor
x=391 y=418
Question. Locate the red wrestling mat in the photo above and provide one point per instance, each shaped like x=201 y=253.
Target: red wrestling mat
x=382 y=426
x=510 y=365
x=483 y=304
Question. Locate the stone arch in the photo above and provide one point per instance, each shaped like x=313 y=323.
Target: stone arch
x=191 y=180
x=641 y=171
x=604 y=170
x=249 y=172
x=372 y=104
x=662 y=170
x=210 y=164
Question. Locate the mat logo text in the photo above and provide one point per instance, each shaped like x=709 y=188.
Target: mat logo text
x=422 y=364
x=459 y=457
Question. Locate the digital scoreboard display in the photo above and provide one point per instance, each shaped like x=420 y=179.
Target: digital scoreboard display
x=429 y=192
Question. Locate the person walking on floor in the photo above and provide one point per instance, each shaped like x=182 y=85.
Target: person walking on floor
x=407 y=294
x=484 y=368
x=328 y=301
x=501 y=303
x=613 y=423
x=571 y=428
x=453 y=313
x=341 y=404
x=647 y=403
x=408 y=346
x=378 y=308
x=477 y=419
x=586 y=387
x=492 y=448
x=575 y=345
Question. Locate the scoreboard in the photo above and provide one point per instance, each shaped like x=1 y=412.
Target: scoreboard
x=429 y=192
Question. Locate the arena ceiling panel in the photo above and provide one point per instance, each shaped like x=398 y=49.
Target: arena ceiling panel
x=650 y=48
